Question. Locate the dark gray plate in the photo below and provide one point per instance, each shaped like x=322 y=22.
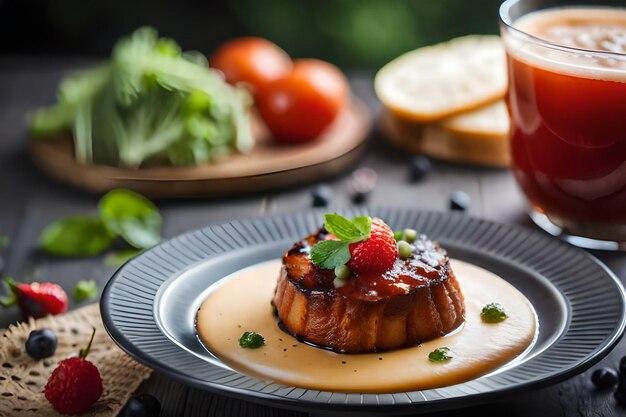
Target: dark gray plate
x=149 y=306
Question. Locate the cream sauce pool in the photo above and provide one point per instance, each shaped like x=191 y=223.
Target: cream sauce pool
x=242 y=303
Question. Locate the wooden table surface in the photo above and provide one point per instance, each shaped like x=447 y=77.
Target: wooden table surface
x=29 y=201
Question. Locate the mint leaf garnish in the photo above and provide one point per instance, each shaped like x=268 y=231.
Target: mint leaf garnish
x=346 y=230
x=330 y=254
x=364 y=224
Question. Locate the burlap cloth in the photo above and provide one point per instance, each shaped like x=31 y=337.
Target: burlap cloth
x=22 y=379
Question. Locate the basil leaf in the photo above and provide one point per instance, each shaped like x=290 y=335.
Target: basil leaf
x=132 y=216
x=76 y=236
x=85 y=290
x=330 y=254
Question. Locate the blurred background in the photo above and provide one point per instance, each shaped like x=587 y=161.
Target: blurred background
x=350 y=33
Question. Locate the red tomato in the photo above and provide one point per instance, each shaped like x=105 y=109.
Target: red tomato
x=300 y=106
x=255 y=61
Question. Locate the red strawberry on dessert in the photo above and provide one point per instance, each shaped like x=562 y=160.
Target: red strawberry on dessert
x=376 y=253
x=75 y=385
x=38 y=299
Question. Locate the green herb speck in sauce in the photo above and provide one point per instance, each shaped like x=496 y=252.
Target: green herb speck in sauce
x=251 y=340
x=441 y=354
x=493 y=313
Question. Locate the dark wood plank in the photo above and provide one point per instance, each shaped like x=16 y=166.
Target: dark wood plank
x=180 y=400
x=393 y=187
x=30 y=201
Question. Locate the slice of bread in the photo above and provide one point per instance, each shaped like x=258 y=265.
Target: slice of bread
x=490 y=121
x=467 y=138
x=438 y=81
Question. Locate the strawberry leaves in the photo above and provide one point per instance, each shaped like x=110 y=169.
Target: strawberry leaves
x=330 y=254
x=348 y=231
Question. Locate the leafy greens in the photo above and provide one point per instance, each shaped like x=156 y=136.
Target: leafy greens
x=150 y=103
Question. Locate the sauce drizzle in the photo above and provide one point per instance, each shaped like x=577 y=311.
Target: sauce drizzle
x=477 y=347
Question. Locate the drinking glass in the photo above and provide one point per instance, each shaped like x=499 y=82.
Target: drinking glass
x=567 y=106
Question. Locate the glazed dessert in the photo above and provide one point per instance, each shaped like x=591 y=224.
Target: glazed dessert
x=374 y=311
x=241 y=304
x=352 y=288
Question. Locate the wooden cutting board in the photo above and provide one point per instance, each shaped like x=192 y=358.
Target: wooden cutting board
x=268 y=166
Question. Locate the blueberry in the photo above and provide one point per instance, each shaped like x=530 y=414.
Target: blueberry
x=363 y=182
x=459 y=200
x=418 y=168
x=321 y=195
x=604 y=378
x=144 y=405
x=41 y=344
x=359 y=197
x=620 y=394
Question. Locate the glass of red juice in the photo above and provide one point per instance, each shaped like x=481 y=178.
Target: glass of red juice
x=567 y=103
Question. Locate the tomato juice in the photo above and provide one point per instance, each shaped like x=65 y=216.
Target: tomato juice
x=568 y=117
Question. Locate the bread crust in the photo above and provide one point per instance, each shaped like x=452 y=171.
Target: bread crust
x=437 y=141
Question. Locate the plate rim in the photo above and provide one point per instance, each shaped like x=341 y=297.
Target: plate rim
x=272 y=399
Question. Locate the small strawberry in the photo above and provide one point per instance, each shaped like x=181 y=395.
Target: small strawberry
x=38 y=299
x=75 y=385
x=376 y=253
